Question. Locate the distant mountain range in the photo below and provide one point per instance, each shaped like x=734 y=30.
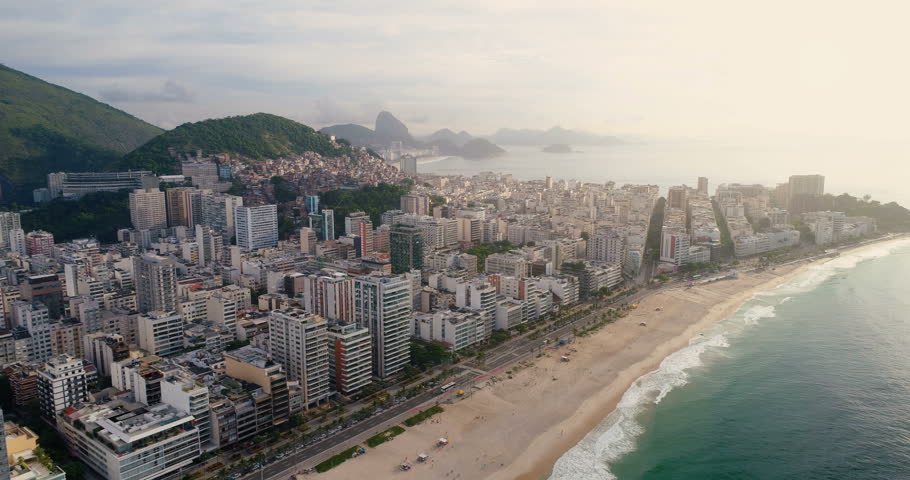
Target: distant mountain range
x=555 y=135
x=47 y=128
x=389 y=129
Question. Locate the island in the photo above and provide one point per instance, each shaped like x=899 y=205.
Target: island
x=557 y=148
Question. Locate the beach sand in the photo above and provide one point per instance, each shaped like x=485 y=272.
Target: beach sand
x=516 y=428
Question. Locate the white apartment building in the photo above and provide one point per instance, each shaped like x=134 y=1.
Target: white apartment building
x=148 y=209
x=480 y=296
x=458 y=330
x=130 y=441
x=9 y=221
x=256 y=227
x=160 y=333
x=511 y=264
x=61 y=383
x=510 y=313
x=383 y=305
x=350 y=357
x=181 y=391
x=298 y=341
x=35 y=317
x=607 y=247
x=674 y=246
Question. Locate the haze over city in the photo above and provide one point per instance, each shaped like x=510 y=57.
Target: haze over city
x=702 y=68
x=454 y=240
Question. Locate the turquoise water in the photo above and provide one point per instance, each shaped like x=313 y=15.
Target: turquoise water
x=807 y=381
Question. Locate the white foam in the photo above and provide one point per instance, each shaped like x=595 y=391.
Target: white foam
x=616 y=435
x=817 y=274
x=756 y=313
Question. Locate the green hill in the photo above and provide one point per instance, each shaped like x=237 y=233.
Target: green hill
x=46 y=128
x=256 y=136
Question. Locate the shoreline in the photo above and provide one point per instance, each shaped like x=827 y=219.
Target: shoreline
x=568 y=400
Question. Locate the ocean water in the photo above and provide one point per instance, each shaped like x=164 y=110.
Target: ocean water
x=676 y=163
x=810 y=380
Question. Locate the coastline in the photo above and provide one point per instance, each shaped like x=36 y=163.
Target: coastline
x=560 y=403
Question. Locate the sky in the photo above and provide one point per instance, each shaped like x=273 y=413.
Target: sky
x=825 y=71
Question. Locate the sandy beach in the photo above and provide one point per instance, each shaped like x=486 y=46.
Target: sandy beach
x=523 y=420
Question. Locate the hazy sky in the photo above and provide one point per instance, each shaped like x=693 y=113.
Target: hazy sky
x=696 y=68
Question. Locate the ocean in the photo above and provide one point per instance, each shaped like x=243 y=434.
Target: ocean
x=810 y=380
x=676 y=163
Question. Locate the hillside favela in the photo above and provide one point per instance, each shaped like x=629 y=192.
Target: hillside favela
x=402 y=272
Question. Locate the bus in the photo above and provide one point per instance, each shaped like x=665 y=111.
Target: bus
x=448 y=386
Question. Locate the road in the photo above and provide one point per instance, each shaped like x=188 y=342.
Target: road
x=497 y=359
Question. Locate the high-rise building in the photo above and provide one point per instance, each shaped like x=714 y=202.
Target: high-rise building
x=382 y=304
x=350 y=357
x=312 y=204
x=160 y=333
x=703 y=186
x=804 y=192
x=45 y=289
x=184 y=206
x=408 y=165
x=256 y=227
x=674 y=246
x=16 y=238
x=298 y=342
x=328 y=228
x=316 y=223
x=210 y=245
x=253 y=365
x=121 y=440
x=218 y=211
x=8 y=221
x=39 y=242
x=181 y=391
x=34 y=317
x=155 y=278
x=103 y=349
x=61 y=383
x=330 y=296
x=481 y=297
x=607 y=247
x=677 y=197
x=415 y=204
x=406 y=248
x=308 y=241
x=147 y=209
x=359 y=223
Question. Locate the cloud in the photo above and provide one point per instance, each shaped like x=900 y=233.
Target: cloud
x=170 y=92
x=329 y=111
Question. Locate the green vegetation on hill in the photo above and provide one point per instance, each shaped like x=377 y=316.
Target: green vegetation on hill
x=97 y=215
x=46 y=128
x=257 y=136
x=890 y=217
x=369 y=199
